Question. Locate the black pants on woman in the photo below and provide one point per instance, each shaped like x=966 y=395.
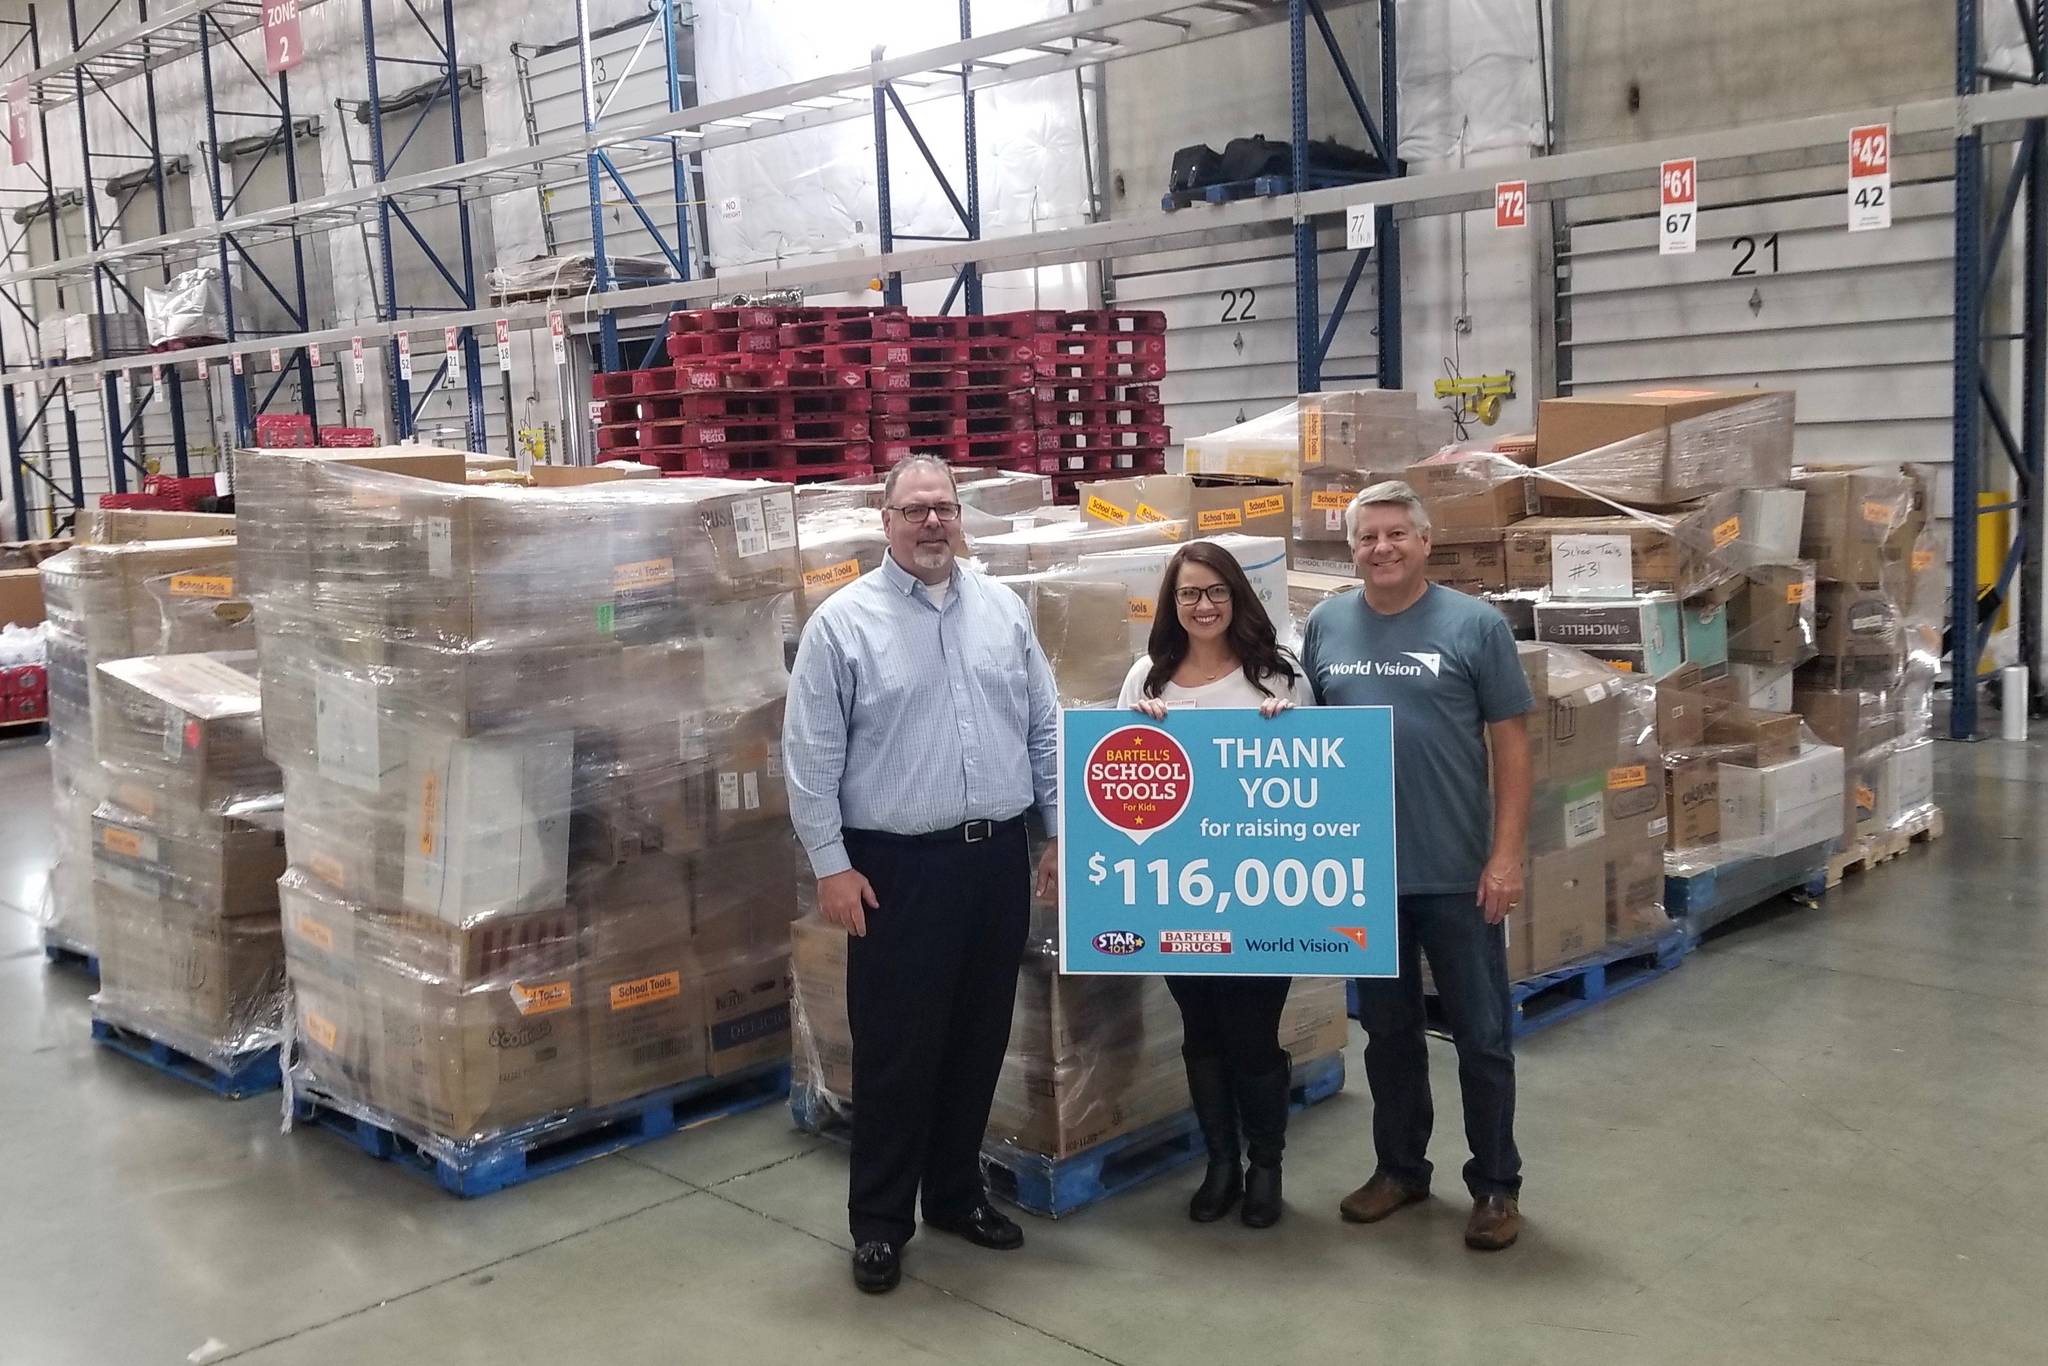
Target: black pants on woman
x=1235 y=1022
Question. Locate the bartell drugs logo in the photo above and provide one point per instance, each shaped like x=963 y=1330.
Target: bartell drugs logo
x=1118 y=943
x=1420 y=662
x=1194 y=941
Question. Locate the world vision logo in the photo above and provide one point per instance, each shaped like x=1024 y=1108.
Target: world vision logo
x=1412 y=664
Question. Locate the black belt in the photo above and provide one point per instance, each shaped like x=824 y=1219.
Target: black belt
x=968 y=832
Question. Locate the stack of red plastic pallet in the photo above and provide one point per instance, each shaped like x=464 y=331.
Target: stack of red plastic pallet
x=809 y=394
x=1096 y=404
x=294 y=431
x=764 y=393
x=164 y=493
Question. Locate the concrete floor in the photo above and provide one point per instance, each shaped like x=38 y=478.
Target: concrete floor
x=1824 y=1139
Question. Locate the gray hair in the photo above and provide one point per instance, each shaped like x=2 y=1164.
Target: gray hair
x=911 y=462
x=1391 y=493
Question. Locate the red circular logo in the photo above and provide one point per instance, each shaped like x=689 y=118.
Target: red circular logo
x=1139 y=780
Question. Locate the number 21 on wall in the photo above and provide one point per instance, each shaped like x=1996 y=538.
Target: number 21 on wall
x=1678 y=192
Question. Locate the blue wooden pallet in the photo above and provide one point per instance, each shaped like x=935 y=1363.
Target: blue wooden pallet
x=1577 y=987
x=64 y=956
x=1703 y=900
x=250 y=1074
x=1055 y=1187
x=526 y=1154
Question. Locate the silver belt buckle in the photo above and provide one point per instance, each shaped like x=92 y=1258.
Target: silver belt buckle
x=977 y=831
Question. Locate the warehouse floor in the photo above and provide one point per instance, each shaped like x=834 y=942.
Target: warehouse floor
x=1824 y=1139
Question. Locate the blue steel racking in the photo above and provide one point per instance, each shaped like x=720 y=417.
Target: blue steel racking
x=966 y=201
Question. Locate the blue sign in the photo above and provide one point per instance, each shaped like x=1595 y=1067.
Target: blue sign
x=1220 y=842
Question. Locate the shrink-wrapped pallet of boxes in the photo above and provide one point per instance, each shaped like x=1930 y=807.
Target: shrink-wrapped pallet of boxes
x=534 y=806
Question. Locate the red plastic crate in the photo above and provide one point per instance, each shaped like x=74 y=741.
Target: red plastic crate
x=348 y=436
x=286 y=430
x=140 y=502
x=25 y=707
x=19 y=679
x=184 y=491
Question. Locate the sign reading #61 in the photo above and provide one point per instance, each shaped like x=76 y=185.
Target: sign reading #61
x=1217 y=841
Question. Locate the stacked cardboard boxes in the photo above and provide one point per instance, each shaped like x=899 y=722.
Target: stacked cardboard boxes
x=112 y=599
x=534 y=805
x=186 y=852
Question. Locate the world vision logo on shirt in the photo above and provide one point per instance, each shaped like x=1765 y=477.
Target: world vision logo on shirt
x=1412 y=664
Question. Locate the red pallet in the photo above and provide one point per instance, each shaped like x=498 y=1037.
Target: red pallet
x=960 y=449
x=980 y=325
x=803 y=404
x=952 y=402
x=849 y=353
x=24 y=708
x=872 y=328
x=19 y=680
x=825 y=427
x=725 y=320
x=749 y=378
x=710 y=432
x=1132 y=345
x=1093 y=391
x=1099 y=369
x=1116 y=320
x=970 y=376
x=619 y=437
x=140 y=502
x=685 y=460
x=1099 y=414
x=1089 y=464
x=789 y=455
x=712 y=348
x=1103 y=438
x=990 y=422
x=348 y=436
x=807 y=474
x=971 y=353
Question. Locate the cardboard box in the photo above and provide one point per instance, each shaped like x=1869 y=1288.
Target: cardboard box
x=1772 y=520
x=487 y=825
x=1663 y=447
x=1848 y=519
x=1680 y=552
x=1771 y=616
x=1635 y=891
x=1866 y=672
x=1564 y=911
x=1323 y=494
x=1368 y=429
x=1083 y=627
x=1853 y=721
x=1142 y=570
x=1641 y=633
x=1681 y=709
x=218 y=867
x=1763 y=687
x=1578 y=713
x=204 y=983
x=1777 y=808
x=1693 y=798
x=1519 y=609
x=1464 y=495
x=645 y=1022
x=191 y=723
x=1329 y=559
x=120 y=526
x=1209 y=503
x=575 y=476
x=1471 y=561
x=743 y=898
x=746 y=1013
x=21 y=597
x=1703 y=623
x=1852 y=620
x=822 y=1052
x=1907 y=781
x=1765 y=738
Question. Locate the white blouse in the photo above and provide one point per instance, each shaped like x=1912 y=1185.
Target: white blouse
x=1231 y=690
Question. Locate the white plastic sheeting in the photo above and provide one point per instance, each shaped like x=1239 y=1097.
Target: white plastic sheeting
x=1471 y=79
x=812 y=193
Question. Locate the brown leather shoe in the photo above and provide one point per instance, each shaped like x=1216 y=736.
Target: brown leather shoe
x=1495 y=1223
x=1378 y=1198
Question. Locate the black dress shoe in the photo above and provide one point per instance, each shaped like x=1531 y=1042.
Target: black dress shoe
x=984 y=1228
x=877 y=1267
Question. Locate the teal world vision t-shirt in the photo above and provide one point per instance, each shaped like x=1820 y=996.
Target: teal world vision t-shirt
x=1447 y=668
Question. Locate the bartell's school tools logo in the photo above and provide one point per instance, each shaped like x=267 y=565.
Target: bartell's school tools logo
x=1420 y=661
x=1138 y=779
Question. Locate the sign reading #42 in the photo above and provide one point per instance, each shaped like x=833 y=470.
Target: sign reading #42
x=1217 y=841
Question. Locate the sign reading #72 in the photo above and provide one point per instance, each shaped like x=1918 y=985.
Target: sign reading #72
x=1220 y=842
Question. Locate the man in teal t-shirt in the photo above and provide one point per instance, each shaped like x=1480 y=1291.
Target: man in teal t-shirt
x=1446 y=664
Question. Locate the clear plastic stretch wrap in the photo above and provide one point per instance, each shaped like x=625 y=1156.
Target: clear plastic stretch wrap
x=1597 y=823
x=106 y=602
x=1089 y=1058
x=191 y=308
x=540 y=848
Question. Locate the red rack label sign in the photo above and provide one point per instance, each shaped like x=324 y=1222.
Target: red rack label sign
x=1870 y=177
x=20 y=142
x=282 y=49
x=505 y=345
x=1511 y=204
x=1678 y=194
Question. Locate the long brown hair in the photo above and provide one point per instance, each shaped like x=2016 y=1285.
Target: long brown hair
x=1250 y=636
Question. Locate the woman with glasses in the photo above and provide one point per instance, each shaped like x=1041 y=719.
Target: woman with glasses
x=1212 y=645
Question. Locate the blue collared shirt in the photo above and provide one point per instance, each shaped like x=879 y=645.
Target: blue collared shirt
x=909 y=717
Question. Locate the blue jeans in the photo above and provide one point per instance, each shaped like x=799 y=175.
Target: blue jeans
x=1469 y=961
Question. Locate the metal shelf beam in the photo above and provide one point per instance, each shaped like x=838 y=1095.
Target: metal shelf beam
x=157 y=39
x=1605 y=170
x=1118 y=29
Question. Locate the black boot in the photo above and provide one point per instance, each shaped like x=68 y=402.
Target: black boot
x=1262 y=1100
x=1216 y=1110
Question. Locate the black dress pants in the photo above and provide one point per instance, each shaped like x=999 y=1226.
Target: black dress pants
x=929 y=991
x=1236 y=1019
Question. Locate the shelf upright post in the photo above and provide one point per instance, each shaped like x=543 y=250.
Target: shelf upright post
x=113 y=429
x=970 y=274
x=2033 y=520
x=607 y=323
x=1388 y=229
x=401 y=388
x=885 y=218
x=216 y=168
x=1308 y=359
x=174 y=399
x=472 y=367
x=62 y=390
x=679 y=167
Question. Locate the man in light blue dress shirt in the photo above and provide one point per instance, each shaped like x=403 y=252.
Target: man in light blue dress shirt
x=922 y=727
